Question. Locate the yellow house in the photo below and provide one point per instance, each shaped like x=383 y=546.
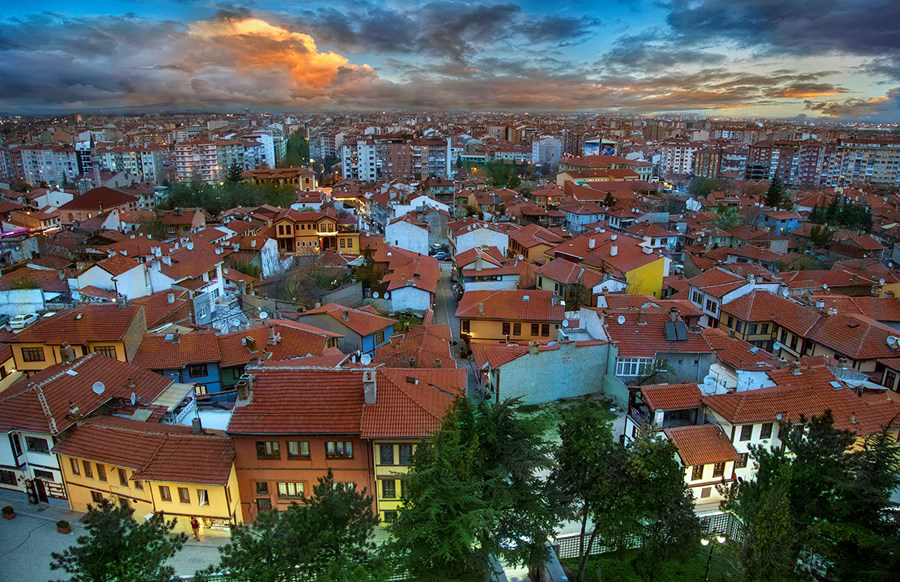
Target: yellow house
x=392 y=461
x=405 y=408
x=153 y=468
x=708 y=458
x=109 y=329
x=312 y=232
x=507 y=316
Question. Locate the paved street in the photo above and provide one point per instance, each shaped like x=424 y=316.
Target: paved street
x=445 y=310
x=26 y=543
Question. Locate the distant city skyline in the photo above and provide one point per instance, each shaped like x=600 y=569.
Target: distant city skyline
x=758 y=58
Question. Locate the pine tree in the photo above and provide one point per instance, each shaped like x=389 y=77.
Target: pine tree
x=234 y=172
x=116 y=547
x=775 y=196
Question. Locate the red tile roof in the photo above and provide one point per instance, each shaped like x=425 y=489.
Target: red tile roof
x=86 y=323
x=20 y=407
x=717 y=282
x=702 y=444
x=763 y=306
x=421 y=344
x=855 y=336
x=569 y=273
x=359 y=321
x=411 y=402
x=158 y=310
x=95 y=198
x=646 y=341
x=671 y=396
x=511 y=305
x=181 y=349
x=155 y=452
x=117 y=264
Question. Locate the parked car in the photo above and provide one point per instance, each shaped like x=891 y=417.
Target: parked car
x=442 y=256
x=23 y=321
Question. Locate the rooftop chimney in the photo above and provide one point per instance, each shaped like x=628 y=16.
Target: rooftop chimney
x=613 y=250
x=673 y=314
x=592 y=243
x=345 y=315
x=196 y=425
x=481 y=309
x=369 y=388
x=67 y=353
x=167 y=260
x=436 y=363
x=641 y=318
x=170 y=298
x=176 y=337
x=533 y=347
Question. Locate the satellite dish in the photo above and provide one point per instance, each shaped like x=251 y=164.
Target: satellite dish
x=881 y=281
x=784 y=292
x=365 y=359
x=375 y=294
x=520 y=257
x=133 y=398
x=263 y=315
x=387 y=295
x=620 y=320
x=98 y=387
x=776 y=346
x=825 y=286
x=565 y=323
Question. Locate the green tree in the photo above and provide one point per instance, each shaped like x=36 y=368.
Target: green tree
x=820 y=235
x=327 y=536
x=590 y=477
x=839 y=500
x=609 y=201
x=663 y=503
x=234 y=172
x=833 y=212
x=701 y=187
x=117 y=548
x=473 y=492
x=776 y=197
x=296 y=151
x=728 y=217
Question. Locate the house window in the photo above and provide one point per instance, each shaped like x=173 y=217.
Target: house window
x=386 y=454
x=764 y=328
x=506 y=328
x=545 y=330
x=465 y=326
x=742 y=461
x=535 y=329
x=33 y=354
x=339 y=450
x=406 y=453
x=96 y=496
x=139 y=485
x=783 y=337
x=291 y=490
x=711 y=306
x=202 y=497
x=123 y=502
x=379 y=337
x=751 y=329
x=343 y=244
x=718 y=469
x=746 y=432
x=262 y=487
x=268 y=450
x=298 y=449
x=101 y=472
x=37 y=445
x=7 y=477
x=766 y=431
x=76 y=470
x=45 y=475
x=517 y=329
x=390 y=516
x=197 y=371
x=631 y=367
x=108 y=351
x=87 y=470
x=123 y=478
x=697 y=298
x=705 y=492
x=697 y=472
x=389 y=489
x=730 y=321
x=164 y=493
x=184 y=495
x=263 y=504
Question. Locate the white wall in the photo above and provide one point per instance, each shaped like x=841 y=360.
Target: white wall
x=410 y=299
x=268 y=256
x=21 y=301
x=133 y=283
x=407 y=236
x=481 y=236
x=97 y=277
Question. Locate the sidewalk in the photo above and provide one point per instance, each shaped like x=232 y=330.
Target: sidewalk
x=26 y=542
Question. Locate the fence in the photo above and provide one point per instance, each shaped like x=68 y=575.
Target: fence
x=721 y=523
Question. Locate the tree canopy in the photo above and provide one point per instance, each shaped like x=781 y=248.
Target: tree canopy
x=117 y=548
x=217 y=198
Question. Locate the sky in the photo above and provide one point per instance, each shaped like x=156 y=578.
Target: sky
x=735 y=58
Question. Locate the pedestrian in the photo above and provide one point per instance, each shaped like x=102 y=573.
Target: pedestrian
x=195 y=525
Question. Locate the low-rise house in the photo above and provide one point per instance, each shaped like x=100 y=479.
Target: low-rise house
x=174 y=471
x=293 y=424
x=259 y=250
x=468 y=234
x=112 y=330
x=36 y=412
x=96 y=202
x=532 y=241
x=409 y=233
x=487 y=269
x=760 y=317
x=411 y=281
x=708 y=459
x=576 y=284
x=124 y=276
x=780 y=221
x=360 y=329
x=716 y=287
x=662 y=406
x=739 y=365
x=182 y=221
x=509 y=316
x=28 y=290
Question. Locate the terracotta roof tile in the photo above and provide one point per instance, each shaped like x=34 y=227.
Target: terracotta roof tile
x=411 y=402
x=671 y=396
x=95 y=322
x=702 y=444
x=511 y=305
x=359 y=321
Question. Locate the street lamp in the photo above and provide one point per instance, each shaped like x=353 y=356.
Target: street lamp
x=708 y=542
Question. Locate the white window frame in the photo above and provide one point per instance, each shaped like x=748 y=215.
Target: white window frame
x=634 y=366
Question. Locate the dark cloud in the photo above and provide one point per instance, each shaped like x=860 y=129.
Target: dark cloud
x=231 y=11
x=650 y=56
x=798 y=27
x=445 y=28
x=876 y=108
